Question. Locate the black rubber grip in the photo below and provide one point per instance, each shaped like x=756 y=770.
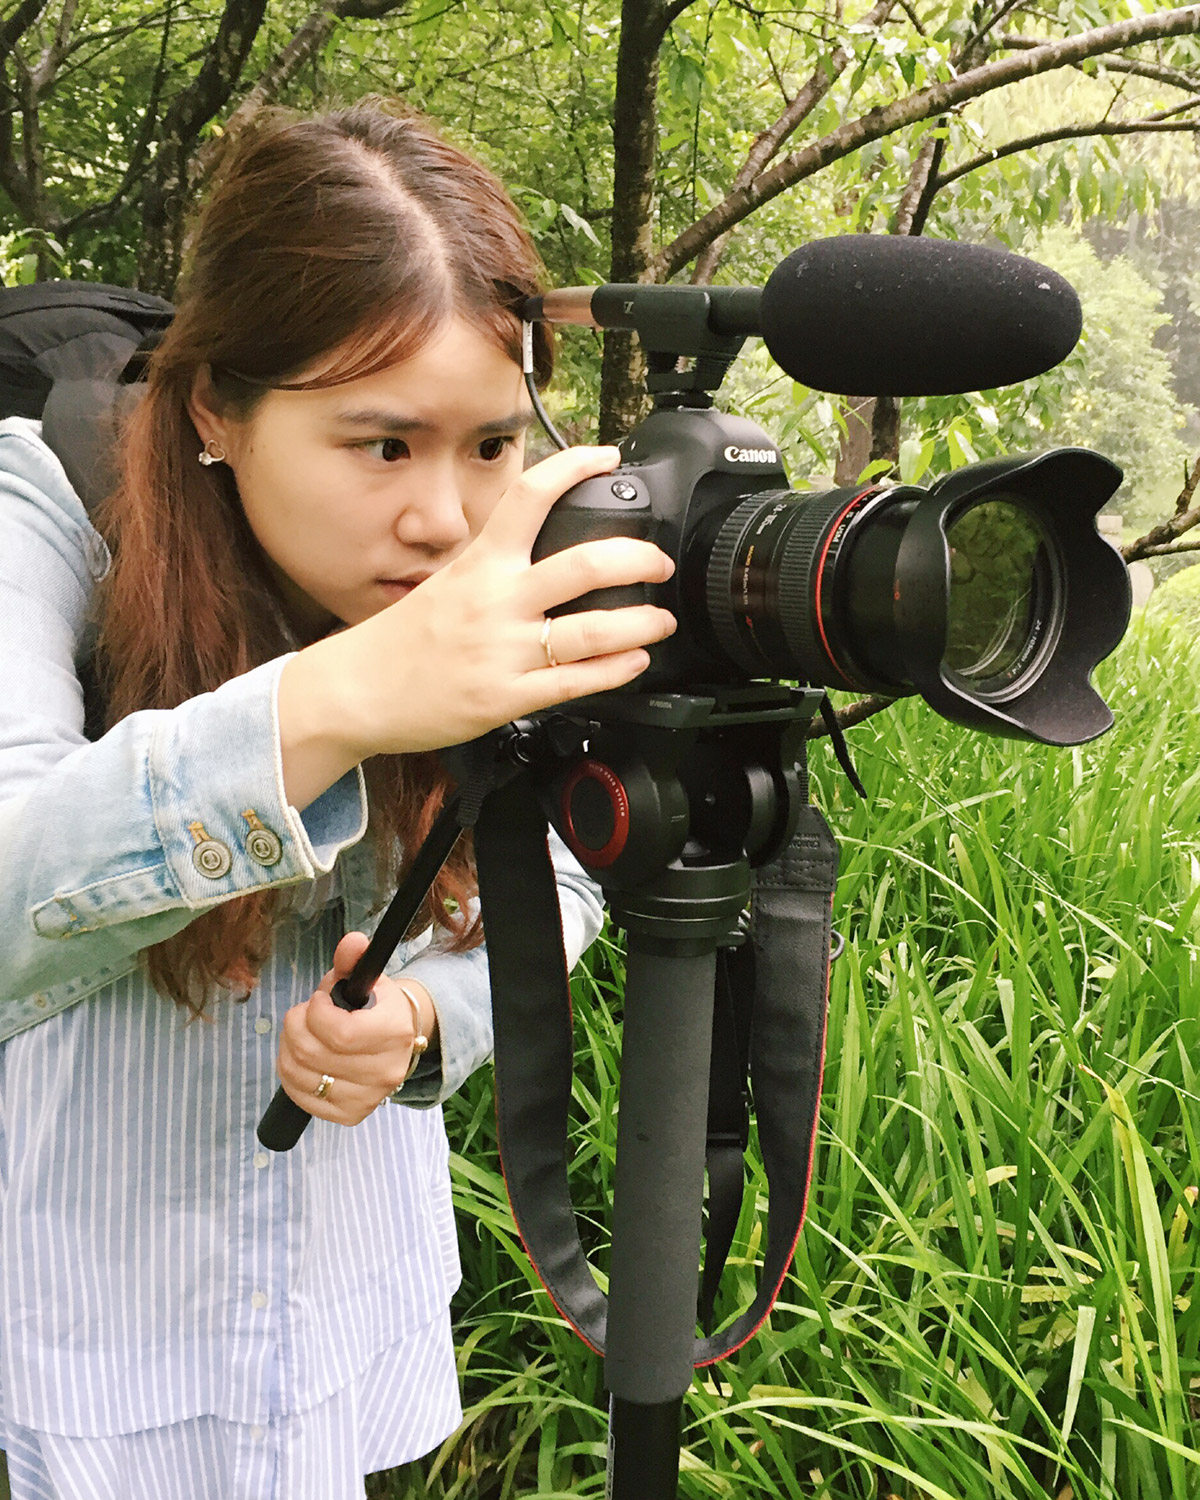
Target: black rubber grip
x=283 y=1122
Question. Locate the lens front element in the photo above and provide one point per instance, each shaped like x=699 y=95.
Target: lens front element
x=1000 y=609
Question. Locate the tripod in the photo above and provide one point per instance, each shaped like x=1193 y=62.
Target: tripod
x=676 y=801
x=672 y=801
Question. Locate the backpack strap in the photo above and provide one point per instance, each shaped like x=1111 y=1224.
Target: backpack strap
x=69 y=354
x=66 y=350
x=80 y=424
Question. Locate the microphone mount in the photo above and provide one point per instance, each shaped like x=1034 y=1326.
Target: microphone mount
x=689 y=334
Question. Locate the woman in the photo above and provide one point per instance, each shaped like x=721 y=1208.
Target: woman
x=340 y=585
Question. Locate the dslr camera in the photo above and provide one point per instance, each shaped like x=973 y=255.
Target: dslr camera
x=990 y=593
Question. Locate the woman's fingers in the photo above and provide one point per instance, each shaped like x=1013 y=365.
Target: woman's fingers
x=339 y=1065
x=521 y=512
x=614 y=562
x=566 y=639
x=581 y=679
x=342 y=1101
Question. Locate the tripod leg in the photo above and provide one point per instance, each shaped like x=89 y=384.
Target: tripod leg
x=658 y=1198
x=643 y=1450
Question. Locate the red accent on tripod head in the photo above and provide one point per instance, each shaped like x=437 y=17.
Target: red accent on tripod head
x=595 y=808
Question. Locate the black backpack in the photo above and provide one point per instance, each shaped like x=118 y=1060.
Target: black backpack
x=70 y=351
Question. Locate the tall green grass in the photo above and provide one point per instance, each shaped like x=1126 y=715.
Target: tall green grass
x=995 y=1295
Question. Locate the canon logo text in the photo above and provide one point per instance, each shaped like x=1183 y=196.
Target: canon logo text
x=751 y=455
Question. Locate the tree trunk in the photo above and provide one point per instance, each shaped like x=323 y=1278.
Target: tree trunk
x=644 y=24
x=855 y=451
x=168 y=192
x=885 y=430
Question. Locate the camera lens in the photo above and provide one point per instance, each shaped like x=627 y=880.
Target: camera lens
x=769 y=562
x=812 y=588
x=1001 y=595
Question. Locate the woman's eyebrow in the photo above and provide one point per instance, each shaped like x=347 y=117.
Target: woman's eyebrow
x=378 y=419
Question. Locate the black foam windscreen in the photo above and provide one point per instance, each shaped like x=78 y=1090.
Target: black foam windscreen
x=891 y=315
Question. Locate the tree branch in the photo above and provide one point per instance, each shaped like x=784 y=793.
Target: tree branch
x=1175 y=551
x=767 y=144
x=1066 y=133
x=848 y=717
x=936 y=99
x=56 y=49
x=644 y=25
x=1158 y=539
x=980 y=33
x=673 y=12
x=139 y=154
x=283 y=67
x=1136 y=66
x=12 y=30
x=190 y=111
x=922 y=184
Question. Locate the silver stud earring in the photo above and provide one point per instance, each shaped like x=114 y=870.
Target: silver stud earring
x=212 y=453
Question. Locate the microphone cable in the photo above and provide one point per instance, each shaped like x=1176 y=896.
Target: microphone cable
x=540 y=411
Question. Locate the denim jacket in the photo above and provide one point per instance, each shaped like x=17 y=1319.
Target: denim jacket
x=108 y=847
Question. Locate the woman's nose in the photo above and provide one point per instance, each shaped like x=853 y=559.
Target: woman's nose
x=434 y=515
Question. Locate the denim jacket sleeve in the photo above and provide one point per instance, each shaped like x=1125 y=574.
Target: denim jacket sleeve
x=108 y=847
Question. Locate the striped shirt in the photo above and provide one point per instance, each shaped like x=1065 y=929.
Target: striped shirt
x=159 y=1265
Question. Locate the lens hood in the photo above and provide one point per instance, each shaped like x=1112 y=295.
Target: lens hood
x=1042 y=690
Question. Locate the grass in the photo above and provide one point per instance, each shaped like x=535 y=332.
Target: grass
x=995 y=1294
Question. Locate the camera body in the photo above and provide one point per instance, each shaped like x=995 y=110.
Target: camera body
x=684 y=469
x=991 y=594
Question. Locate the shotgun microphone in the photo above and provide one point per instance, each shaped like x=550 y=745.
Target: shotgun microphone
x=890 y=315
x=861 y=315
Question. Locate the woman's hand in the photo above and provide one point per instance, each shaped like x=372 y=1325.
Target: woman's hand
x=463 y=653
x=366 y=1053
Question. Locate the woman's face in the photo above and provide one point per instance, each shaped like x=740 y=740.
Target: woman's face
x=359 y=492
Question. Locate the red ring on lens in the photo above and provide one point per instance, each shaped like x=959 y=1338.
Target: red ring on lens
x=820 y=579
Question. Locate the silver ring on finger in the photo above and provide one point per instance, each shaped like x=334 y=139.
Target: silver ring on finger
x=544 y=641
x=322 y=1089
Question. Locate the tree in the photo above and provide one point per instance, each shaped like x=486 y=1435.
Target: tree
x=107 y=119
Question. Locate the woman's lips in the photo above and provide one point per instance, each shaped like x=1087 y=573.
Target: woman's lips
x=397 y=588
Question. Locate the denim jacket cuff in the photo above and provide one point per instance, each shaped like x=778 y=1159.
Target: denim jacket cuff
x=218 y=843
x=459 y=988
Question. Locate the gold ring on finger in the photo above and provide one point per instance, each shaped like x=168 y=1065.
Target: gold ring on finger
x=322 y=1089
x=547 y=648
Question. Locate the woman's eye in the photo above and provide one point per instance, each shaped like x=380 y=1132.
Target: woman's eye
x=495 y=447
x=389 y=450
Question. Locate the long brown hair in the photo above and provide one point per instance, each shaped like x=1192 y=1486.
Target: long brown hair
x=331 y=248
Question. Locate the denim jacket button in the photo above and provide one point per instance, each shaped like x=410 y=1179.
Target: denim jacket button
x=212 y=858
x=264 y=847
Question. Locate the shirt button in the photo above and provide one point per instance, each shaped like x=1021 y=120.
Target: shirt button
x=262 y=1025
x=261 y=1159
x=259 y=1300
x=258 y=1433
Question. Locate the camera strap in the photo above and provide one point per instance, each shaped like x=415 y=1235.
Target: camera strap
x=777 y=988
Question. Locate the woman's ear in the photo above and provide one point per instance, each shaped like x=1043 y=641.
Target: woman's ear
x=203 y=410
